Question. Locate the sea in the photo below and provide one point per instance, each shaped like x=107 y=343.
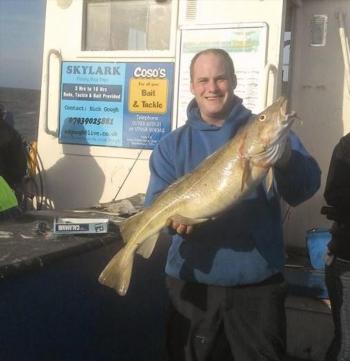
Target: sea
x=24 y=104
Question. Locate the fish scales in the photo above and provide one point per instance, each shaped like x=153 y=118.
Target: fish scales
x=217 y=184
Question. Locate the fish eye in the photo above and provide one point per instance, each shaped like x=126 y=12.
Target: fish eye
x=262 y=117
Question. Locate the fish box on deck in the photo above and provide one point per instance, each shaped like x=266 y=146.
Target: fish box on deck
x=80 y=225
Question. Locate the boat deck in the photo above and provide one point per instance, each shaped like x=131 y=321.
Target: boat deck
x=52 y=303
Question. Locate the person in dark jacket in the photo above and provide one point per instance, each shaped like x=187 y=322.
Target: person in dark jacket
x=13 y=167
x=337 y=196
x=224 y=277
x=13 y=159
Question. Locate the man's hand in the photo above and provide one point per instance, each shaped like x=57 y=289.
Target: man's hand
x=179 y=228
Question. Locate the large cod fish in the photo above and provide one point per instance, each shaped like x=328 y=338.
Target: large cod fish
x=218 y=183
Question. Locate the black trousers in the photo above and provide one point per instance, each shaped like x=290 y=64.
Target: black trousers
x=213 y=323
x=338 y=285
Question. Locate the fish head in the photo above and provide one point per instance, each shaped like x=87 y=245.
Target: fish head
x=268 y=132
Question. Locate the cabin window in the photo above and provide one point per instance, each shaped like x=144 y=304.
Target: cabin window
x=127 y=25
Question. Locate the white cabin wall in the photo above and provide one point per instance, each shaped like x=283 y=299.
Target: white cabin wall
x=78 y=176
x=320 y=97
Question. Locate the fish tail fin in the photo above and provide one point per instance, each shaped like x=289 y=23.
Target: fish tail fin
x=117 y=273
x=128 y=227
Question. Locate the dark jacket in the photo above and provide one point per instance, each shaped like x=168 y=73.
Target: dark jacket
x=337 y=195
x=13 y=160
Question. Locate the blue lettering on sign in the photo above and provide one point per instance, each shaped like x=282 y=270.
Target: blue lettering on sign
x=92 y=70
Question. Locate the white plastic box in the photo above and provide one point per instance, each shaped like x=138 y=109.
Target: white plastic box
x=80 y=225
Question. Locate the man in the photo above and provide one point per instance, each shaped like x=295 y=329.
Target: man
x=13 y=165
x=224 y=277
x=337 y=195
x=13 y=160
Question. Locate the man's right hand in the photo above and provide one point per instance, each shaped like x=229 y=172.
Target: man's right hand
x=180 y=228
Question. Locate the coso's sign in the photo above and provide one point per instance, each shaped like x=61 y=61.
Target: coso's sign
x=140 y=72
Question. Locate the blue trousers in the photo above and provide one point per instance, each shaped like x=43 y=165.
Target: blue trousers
x=213 y=323
x=338 y=285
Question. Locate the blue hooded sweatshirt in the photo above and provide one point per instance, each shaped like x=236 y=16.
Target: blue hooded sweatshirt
x=245 y=245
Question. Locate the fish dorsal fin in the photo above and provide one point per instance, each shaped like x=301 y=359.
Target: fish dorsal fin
x=147 y=246
x=246 y=173
x=269 y=180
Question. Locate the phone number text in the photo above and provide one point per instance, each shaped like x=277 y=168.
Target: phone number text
x=85 y=121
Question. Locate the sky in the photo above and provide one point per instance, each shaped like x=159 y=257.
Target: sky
x=21 y=43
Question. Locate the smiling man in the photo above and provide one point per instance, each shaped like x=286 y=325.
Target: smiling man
x=212 y=83
x=224 y=276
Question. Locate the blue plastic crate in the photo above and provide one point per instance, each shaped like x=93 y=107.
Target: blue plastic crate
x=316 y=242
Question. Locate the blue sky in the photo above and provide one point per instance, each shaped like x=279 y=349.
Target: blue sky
x=21 y=42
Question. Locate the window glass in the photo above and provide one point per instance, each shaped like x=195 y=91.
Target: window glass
x=127 y=24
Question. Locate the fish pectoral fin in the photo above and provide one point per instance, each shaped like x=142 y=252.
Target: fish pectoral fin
x=117 y=273
x=185 y=220
x=269 y=180
x=246 y=174
x=147 y=246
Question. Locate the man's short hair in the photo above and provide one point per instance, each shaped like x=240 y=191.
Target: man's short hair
x=220 y=52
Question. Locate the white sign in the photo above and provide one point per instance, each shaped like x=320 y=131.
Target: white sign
x=246 y=44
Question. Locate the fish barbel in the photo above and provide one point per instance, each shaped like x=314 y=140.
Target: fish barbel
x=218 y=183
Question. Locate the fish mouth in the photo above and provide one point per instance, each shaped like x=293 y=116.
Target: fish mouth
x=282 y=103
x=285 y=121
x=286 y=118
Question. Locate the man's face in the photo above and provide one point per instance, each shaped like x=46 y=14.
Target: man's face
x=212 y=86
